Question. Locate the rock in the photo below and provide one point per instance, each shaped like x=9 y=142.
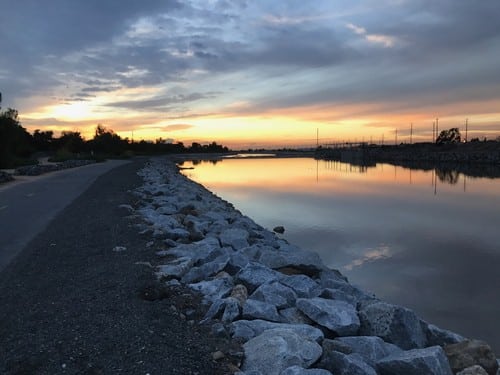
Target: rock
x=218 y=355
x=277 y=349
x=338 y=316
x=304 y=286
x=307 y=262
x=231 y=310
x=177 y=234
x=392 y=323
x=473 y=370
x=234 y=237
x=330 y=275
x=5 y=177
x=237 y=261
x=345 y=364
x=247 y=329
x=276 y=294
x=240 y=293
x=254 y=275
x=177 y=268
x=214 y=289
x=279 y=229
x=219 y=330
x=347 y=289
x=469 y=353
x=438 y=336
x=337 y=294
x=297 y=370
x=293 y=315
x=371 y=348
x=254 y=309
x=206 y=270
x=335 y=346
x=431 y=361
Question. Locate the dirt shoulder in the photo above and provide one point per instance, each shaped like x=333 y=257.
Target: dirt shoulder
x=70 y=304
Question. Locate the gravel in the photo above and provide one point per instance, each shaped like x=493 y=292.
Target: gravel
x=71 y=304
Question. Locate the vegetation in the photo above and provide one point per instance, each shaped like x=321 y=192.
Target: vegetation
x=18 y=147
x=450 y=136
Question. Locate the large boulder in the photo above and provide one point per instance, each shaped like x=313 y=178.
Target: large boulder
x=473 y=370
x=277 y=349
x=176 y=268
x=215 y=289
x=276 y=294
x=303 y=285
x=345 y=364
x=237 y=238
x=394 y=324
x=304 y=261
x=371 y=348
x=429 y=361
x=247 y=329
x=294 y=315
x=469 y=353
x=439 y=336
x=254 y=309
x=338 y=316
x=255 y=274
x=206 y=270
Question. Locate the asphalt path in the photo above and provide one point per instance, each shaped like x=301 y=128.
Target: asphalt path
x=29 y=204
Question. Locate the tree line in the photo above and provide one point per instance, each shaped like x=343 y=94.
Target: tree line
x=19 y=147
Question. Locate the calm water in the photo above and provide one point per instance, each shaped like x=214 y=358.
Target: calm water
x=418 y=238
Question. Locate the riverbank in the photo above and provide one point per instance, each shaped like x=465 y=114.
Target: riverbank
x=81 y=298
x=255 y=282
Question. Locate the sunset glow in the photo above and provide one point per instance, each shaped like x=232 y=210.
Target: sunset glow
x=256 y=74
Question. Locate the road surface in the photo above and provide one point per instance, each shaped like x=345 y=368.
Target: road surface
x=27 y=206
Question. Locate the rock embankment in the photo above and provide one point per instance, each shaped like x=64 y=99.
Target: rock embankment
x=35 y=170
x=292 y=314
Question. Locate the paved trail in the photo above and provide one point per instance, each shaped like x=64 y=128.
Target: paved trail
x=69 y=304
x=27 y=206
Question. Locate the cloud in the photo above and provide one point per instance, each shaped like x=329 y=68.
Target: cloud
x=177 y=127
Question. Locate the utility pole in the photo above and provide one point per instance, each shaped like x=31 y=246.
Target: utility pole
x=437 y=128
x=466 y=128
x=396 y=140
x=411 y=133
x=317 y=137
x=433 y=131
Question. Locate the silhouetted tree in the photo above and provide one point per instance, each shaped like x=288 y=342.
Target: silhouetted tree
x=70 y=141
x=106 y=141
x=449 y=136
x=42 y=140
x=15 y=141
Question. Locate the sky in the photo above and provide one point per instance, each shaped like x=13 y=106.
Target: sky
x=253 y=74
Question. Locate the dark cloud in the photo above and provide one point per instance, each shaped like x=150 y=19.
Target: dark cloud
x=161 y=103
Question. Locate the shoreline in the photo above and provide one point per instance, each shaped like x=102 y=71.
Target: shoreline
x=254 y=282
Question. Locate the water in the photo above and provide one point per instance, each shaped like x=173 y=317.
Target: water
x=423 y=239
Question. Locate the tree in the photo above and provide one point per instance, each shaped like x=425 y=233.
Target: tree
x=450 y=136
x=15 y=141
x=106 y=141
x=70 y=141
x=42 y=140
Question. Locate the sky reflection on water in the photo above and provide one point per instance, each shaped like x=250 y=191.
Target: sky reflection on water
x=407 y=235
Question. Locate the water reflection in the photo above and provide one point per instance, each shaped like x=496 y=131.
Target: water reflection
x=427 y=239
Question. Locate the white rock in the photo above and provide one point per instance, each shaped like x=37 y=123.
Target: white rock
x=304 y=286
x=255 y=274
x=247 y=329
x=289 y=256
x=371 y=348
x=214 y=289
x=277 y=349
x=254 y=309
x=234 y=237
x=394 y=324
x=276 y=294
x=338 y=316
x=177 y=268
x=429 y=361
